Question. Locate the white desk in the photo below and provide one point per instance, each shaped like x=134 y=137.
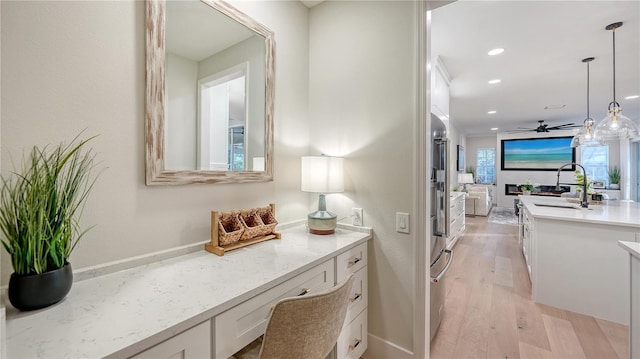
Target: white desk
x=125 y=313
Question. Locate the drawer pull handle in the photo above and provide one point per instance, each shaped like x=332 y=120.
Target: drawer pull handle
x=353 y=347
x=354 y=261
x=304 y=291
x=357 y=296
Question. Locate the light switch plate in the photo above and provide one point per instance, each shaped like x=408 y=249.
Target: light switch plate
x=402 y=222
x=356 y=217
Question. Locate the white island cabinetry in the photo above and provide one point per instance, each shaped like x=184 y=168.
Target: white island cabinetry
x=634 y=318
x=527 y=228
x=573 y=255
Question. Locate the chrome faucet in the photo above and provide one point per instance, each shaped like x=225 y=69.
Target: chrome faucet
x=584 y=203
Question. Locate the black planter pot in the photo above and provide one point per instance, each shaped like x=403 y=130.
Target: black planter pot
x=35 y=291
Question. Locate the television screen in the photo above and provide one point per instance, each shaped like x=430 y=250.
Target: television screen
x=537 y=154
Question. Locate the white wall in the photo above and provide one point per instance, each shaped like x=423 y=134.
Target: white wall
x=180 y=113
x=362 y=106
x=73 y=66
x=3 y=346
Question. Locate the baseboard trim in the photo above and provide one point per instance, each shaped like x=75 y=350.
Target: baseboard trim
x=378 y=348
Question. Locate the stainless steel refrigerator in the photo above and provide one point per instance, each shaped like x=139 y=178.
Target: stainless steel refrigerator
x=441 y=257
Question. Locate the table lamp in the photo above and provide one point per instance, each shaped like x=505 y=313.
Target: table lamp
x=322 y=174
x=465 y=178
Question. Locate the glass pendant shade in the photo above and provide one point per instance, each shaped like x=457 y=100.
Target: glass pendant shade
x=615 y=125
x=586 y=134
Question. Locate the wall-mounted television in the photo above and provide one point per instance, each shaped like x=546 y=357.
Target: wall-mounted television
x=537 y=154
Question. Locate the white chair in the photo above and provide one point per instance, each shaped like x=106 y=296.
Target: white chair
x=302 y=327
x=481 y=202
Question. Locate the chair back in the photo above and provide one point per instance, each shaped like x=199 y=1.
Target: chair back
x=307 y=326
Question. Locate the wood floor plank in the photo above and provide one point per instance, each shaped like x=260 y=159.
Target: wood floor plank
x=444 y=343
x=503 y=334
x=475 y=328
x=553 y=311
x=531 y=328
x=592 y=339
x=563 y=340
x=528 y=351
x=503 y=272
x=618 y=336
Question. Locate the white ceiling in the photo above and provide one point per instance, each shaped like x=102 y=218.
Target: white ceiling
x=544 y=44
x=193 y=30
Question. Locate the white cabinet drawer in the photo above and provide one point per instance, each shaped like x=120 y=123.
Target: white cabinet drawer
x=353 y=339
x=243 y=323
x=194 y=343
x=358 y=297
x=351 y=261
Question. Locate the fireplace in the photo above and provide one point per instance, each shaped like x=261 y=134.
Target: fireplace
x=542 y=190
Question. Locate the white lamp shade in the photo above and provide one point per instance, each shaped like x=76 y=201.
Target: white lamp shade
x=465 y=178
x=322 y=174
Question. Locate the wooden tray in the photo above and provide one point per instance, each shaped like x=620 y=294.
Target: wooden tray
x=216 y=247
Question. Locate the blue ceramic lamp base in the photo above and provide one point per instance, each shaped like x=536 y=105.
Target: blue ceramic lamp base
x=322 y=221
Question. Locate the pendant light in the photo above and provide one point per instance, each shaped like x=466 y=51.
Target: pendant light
x=615 y=125
x=585 y=136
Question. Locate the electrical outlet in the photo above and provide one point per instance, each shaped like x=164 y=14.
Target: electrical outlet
x=356 y=216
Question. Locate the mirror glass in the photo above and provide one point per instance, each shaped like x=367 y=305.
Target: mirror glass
x=209 y=94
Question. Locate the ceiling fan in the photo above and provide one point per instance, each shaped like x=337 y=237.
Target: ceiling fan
x=543 y=127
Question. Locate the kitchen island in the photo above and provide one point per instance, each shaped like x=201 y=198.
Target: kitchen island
x=573 y=256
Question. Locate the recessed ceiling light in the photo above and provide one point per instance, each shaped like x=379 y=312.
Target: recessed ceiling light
x=553 y=107
x=495 y=81
x=494 y=52
x=631 y=97
x=494 y=129
x=491 y=112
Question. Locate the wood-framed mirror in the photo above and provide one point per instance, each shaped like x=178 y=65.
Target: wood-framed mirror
x=209 y=94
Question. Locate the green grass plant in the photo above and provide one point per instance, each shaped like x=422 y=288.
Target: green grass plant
x=614 y=175
x=41 y=205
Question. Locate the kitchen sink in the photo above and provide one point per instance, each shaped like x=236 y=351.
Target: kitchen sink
x=556 y=205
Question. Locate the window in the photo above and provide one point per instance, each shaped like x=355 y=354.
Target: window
x=596 y=162
x=486 y=165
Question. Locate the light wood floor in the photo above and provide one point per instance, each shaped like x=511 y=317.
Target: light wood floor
x=489 y=313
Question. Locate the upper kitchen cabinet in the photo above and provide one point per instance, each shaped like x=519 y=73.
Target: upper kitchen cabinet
x=440 y=91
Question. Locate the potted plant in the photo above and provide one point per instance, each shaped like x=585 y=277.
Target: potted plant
x=527 y=187
x=614 y=177
x=580 y=179
x=39 y=212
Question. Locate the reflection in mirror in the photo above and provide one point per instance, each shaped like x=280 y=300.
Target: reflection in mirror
x=215 y=71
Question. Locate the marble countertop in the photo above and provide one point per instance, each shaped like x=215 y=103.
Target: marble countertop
x=632 y=247
x=618 y=213
x=123 y=313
